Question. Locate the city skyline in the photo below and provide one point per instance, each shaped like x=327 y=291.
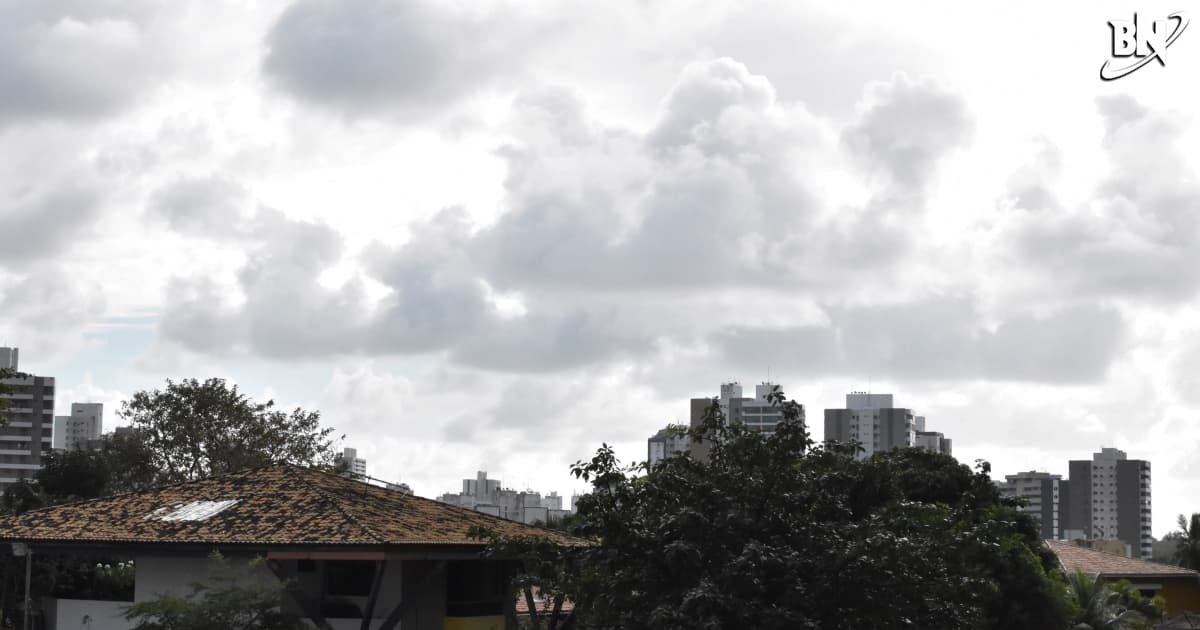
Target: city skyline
x=502 y=246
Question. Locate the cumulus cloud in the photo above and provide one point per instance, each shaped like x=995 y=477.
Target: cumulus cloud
x=1137 y=236
x=47 y=310
x=75 y=59
x=905 y=127
x=724 y=191
x=392 y=56
x=41 y=221
x=203 y=206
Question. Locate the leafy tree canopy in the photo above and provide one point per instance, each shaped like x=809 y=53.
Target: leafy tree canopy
x=193 y=429
x=1187 y=551
x=773 y=531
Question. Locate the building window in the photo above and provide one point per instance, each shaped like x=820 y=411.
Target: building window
x=349 y=578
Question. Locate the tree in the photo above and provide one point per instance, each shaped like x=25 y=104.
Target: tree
x=1102 y=606
x=1187 y=551
x=235 y=598
x=194 y=429
x=73 y=475
x=774 y=532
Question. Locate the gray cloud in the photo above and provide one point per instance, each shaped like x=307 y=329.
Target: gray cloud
x=1138 y=237
x=724 y=190
x=392 y=56
x=47 y=309
x=937 y=339
x=202 y=206
x=74 y=59
x=906 y=127
x=42 y=221
x=432 y=305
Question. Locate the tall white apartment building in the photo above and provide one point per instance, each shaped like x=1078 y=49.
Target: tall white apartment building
x=30 y=414
x=355 y=465
x=83 y=427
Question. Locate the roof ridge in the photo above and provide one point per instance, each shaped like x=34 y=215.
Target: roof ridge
x=326 y=497
x=158 y=488
x=440 y=504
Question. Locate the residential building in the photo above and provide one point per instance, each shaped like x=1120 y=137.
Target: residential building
x=29 y=430
x=931 y=440
x=358 y=556
x=758 y=413
x=1179 y=587
x=490 y=497
x=8 y=358
x=355 y=465
x=1109 y=498
x=878 y=425
x=81 y=429
x=668 y=442
x=1040 y=492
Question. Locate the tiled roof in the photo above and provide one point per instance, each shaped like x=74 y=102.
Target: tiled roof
x=275 y=505
x=1075 y=558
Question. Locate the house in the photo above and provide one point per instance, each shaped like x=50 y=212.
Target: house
x=354 y=555
x=1179 y=586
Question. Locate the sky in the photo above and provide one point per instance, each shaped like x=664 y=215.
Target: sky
x=495 y=235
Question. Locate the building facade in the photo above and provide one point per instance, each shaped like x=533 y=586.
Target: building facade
x=490 y=497
x=30 y=414
x=81 y=429
x=1041 y=494
x=878 y=425
x=668 y=442
x=355 y=465
x=758 y=413
x=1106 y=499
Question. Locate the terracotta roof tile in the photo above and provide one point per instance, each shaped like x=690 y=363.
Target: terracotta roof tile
x=274 y=505
x=1075 y=558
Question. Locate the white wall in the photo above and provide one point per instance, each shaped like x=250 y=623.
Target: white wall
x=82 y=614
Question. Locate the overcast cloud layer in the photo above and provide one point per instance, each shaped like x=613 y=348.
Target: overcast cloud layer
x=496 y=235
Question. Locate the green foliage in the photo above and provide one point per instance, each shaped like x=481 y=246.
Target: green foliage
x=1187 y=551
x=776 y=532
x=71 y=475
x=90 y=577
x=194 y=429
x=1117 y=606
x=236 y=597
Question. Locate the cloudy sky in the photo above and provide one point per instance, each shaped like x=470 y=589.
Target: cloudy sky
x=499 y=234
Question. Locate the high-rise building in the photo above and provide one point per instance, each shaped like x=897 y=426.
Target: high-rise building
x=1109 y=499
x=8 y=358
x=931 y=440
x=1041 y=492
x=757 y=413
x=668 y=442
x=81 y=429
x=488 y=496
x=878 y=425
x=355 y=465
x=30 y=414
